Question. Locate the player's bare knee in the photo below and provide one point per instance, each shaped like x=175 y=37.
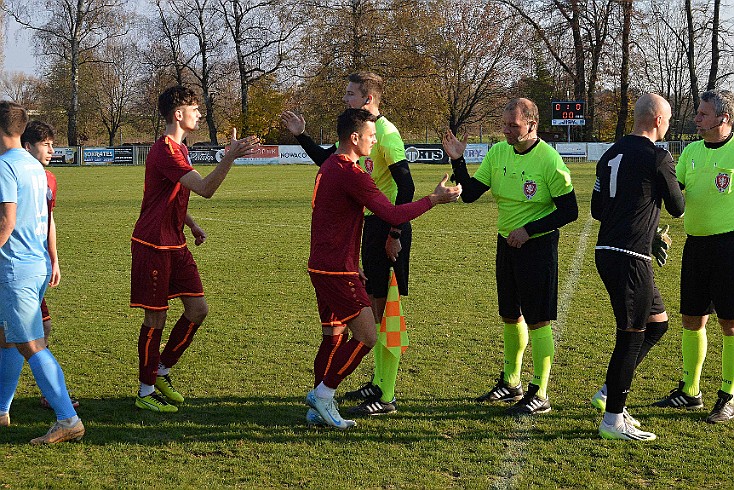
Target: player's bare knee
x=197 y=312
x=155 y=319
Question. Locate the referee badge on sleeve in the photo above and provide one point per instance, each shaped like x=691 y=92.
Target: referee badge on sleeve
x=529 y=188
x=723 y=180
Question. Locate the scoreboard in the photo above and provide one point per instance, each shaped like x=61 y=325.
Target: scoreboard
x=568 y=113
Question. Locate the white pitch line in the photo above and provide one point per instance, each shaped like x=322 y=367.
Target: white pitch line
x=513 y=462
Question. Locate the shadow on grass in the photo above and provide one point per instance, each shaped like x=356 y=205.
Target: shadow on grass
x=281 y=420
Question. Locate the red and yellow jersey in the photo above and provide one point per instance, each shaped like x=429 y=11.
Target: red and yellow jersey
x=165 y=200
x=52 y=186
x=341 y=193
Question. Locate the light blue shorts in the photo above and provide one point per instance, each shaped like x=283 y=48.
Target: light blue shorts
x=20 y=309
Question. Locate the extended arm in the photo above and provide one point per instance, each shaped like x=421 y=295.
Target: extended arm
x=296 y=124
x=314 y=151
x=207 y=186
x=365 y=192
x=472 y=188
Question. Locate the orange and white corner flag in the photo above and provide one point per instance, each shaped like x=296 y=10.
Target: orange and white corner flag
x=393 y=334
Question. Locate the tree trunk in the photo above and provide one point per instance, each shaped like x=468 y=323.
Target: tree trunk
x=691 y=55
x=715 y=52
x=73 y=110
x=623 y=113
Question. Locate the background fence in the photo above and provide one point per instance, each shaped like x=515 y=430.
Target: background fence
x=294 y=154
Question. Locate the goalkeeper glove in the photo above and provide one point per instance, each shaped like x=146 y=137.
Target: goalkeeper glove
x=660 y=245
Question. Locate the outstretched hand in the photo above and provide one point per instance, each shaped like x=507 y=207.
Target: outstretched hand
x=443 y=194
x=453 y=146
x=243 y=147
x=295 y=123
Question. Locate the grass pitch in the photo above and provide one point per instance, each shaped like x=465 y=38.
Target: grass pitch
x=249 y=368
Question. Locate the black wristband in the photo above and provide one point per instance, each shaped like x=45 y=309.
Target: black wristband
x=394 y=234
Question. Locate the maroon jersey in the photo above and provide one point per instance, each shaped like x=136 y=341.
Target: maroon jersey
x=341 y=192
x=165 y=200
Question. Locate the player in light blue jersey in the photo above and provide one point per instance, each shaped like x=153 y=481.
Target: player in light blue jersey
x=25 y=270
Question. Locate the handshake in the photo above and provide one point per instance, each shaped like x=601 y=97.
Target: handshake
x=660 y=244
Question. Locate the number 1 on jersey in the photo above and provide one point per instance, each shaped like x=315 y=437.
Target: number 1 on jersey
x=614 y=165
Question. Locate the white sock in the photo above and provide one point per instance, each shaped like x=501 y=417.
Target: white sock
x=323 y=391
x=163 y=370
x=603 y=389
x=146 y=390
x=614 y=419
x=70 y=422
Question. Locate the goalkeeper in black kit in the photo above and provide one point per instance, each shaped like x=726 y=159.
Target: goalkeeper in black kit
x=633 y=178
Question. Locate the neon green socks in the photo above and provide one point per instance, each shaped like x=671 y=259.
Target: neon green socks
x=693 y=345
x=727 y=364
x=543 y=351
x=516 y=340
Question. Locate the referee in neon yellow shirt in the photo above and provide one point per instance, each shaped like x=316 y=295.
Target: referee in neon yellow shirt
x=705 y=170
x=535 y=197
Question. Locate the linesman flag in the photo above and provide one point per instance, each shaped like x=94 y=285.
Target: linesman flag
x=393 y=334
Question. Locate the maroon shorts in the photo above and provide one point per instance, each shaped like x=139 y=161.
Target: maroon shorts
x=340 y=297
x=159 y=275
x=44 y=310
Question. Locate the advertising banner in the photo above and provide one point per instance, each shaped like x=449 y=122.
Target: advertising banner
x=98 y=156
x=293 y=154
x=425 y=153
x=124 y=155
x=577 y=150
x=63 y=156
x=475 y=152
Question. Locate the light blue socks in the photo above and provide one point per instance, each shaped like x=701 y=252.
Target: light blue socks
x=50 y=379
x=11 y=364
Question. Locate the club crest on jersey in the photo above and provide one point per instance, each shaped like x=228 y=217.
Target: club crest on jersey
x=529 y=188
x=723 y=181
x=369 y=165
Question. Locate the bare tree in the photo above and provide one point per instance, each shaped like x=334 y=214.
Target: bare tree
x=70 y=30
x=166 y=26
x=623 y=113
x=260 y=31
x=471 y=61
x=575 y=33
x=116 y=83
x=21 y=88
x=205 y=43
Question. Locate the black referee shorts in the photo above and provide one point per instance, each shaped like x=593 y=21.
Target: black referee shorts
x=631 y=286
x=375 y=262
x=527 y=278
x=707 y=276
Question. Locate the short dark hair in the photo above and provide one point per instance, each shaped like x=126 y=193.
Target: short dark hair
x=352 y=121
x=369 y=83
x=173 y=98
x=37 y=131
x=13 y=118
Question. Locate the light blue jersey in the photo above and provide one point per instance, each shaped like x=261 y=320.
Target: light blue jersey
x=23 y=181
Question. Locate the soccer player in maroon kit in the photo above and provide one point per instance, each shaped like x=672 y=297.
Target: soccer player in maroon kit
x=162 y=265
x=341 y=192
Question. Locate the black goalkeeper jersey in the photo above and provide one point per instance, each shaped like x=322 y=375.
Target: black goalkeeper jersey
x=633 y=178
